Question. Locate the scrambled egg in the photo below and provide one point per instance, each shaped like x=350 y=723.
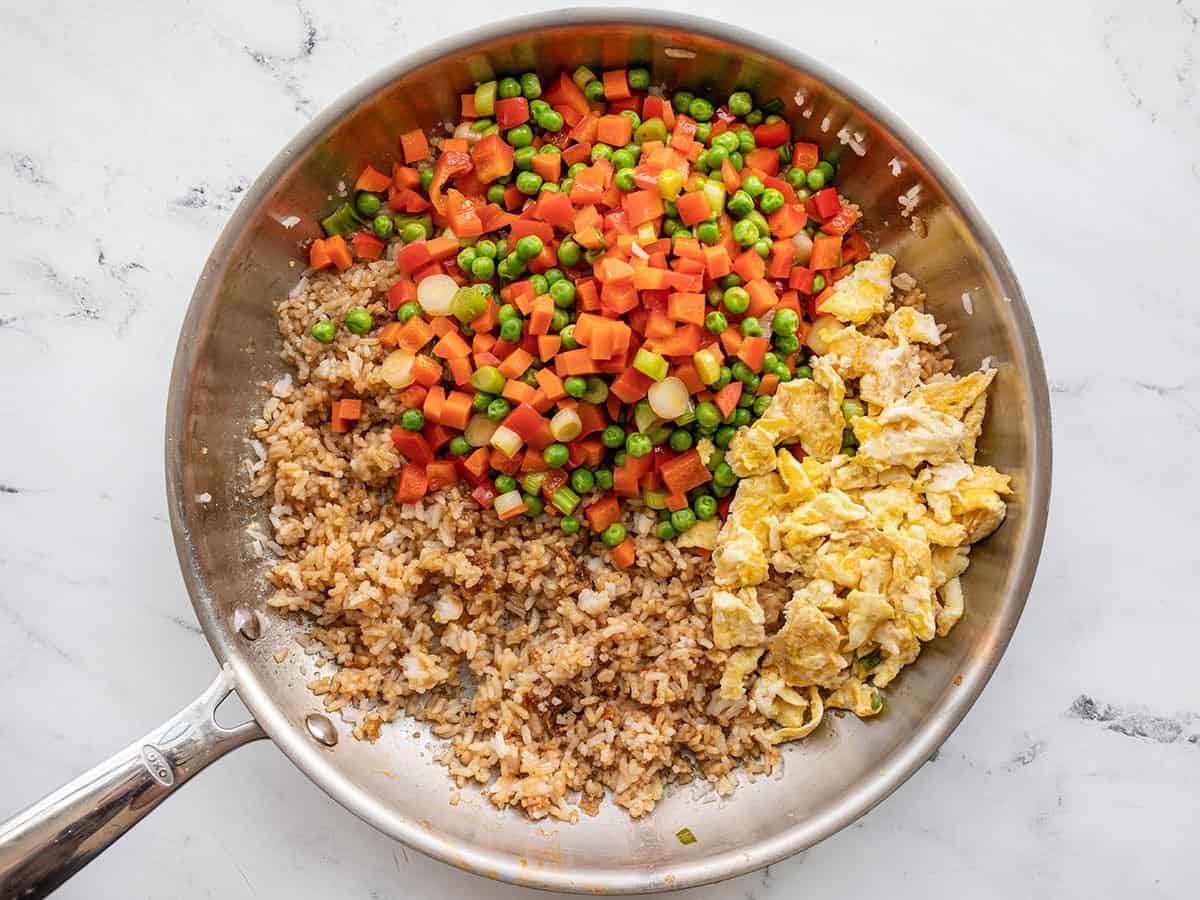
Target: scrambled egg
x=864 y=292
x=870 y=543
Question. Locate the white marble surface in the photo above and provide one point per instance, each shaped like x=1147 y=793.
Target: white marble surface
x=130 y=131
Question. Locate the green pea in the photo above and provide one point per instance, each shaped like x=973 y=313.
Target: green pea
x=412 y=420
x=483 y=268
x=367 y=204
x=529 y=247
x=741 y=416
x=786 y=321
x=723 y=379
x=664 y=531
x=761 y=404
x=639 y=79
x=358 y=320
x=853 y=409
x=803 y=372
x=624 y=180
x=556 y=455
x=601 y=151
x=787 y=343
x=521 y=136
x=707 y=414
x=623 y=159
x=507 y=311
x=412 y=231
x=727 y=141
x=705 y=506
x=736 y=300
x=551 y=120
x=826 y=167
x=504 y=484
x=682 y=519
x=815 y=180
x=509 y=88
x=613 y=437
x=408 y=310
x=796 y=177
x=818 y=283
x=568 y=338
x=708 y=232
x=638 y=444
x=613 y=535
x=594 y=90
x=499 y=409
x=740 y=204
x=680 y=440
x=583 y=481
x=682 y=101
x=700 y=109
x=569 y=525
x=523 y=158
x=531 y=86
x=751 y=327
x=723 y=475
x=574 y=385
x=539 y=283
x=604 y=479
x=563 y=293
x=466 y=256
x=529 y=183
x=480 y=401
x=745 y=140
x=714 y=156
x=534 y=504
x=745 y=233
x=559 y=321
x=459 y=446
x=426 y=178
x=760 y=224
x=736 y=160
x=754 y=117
x=762 y=247
x=654 y=129
x=569 y=253
x=633 y=117
x=746 y=399
x=716 y=322
x=771 y=201
x=510 y=331
x=703 y=131
x=325 y=330
x=740 y=103
x=383 y=225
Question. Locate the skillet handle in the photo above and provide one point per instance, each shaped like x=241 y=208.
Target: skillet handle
x=44 y=845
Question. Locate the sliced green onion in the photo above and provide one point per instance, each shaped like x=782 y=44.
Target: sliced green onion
x=565 y=500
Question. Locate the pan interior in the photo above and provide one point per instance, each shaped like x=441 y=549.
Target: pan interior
x=228 y=349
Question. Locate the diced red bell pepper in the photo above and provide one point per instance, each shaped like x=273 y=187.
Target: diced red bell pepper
x=693 y=208
x=841 y=221
x=493 y=157
x=511 y=112
x=413 y=483
x=826 y=202
x=484 y=493
x=775 y=134
x=448 y=165
x=765 y=159
x=412 y=445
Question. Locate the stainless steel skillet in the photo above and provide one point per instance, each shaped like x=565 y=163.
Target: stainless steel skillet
x=226 y=348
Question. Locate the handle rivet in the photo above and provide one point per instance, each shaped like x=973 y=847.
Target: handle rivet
x=321 y=729
x=247 y=623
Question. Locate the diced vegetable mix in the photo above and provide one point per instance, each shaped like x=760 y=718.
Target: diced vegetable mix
x=598 y=287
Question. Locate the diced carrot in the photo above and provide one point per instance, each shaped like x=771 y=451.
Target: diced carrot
x=590 y=416
x=767 y=384
x=749 y=265
x=371 y=179
x=389 y=335
x=716 y=261
x=762 y=297
x=435 y=404
x=550 y=384
x=658 y=324
x=456 y=145
x=826 y=250
x=541 y=315
x=549 y=165
x=413 y=483
x=727 y=397
x=415 y=145
x=686 y=471
x=694 y=208
x=441 y=473
x=731 y=340
x=451 y=346
x=509 y=465
x=676 y=502
x=476 y=465
x=554 y=207
x=405 y=176
x=456 y=411
x=603 y=512
x=339 y=253
x=641 y=206
x=518 y=391
x=624 y=554
x=412 y=445
x=686 y=308
x=614 y=130
x=585 y=452
x=684 y=341
x=460 y=370
x=442 y=248
x=752 y=351
x=426 y=371
x=765 y=159
x=413 y=396
x=415 y=334
x=616 y=85
x=564 y=91
x=730 y=177
x=516 y=363
x=686 y=372
x=575 y=362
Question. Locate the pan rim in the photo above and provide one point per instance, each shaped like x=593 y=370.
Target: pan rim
x=896 y=769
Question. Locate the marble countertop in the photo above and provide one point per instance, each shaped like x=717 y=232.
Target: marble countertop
x=135 y=127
